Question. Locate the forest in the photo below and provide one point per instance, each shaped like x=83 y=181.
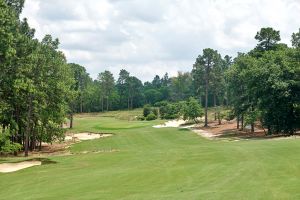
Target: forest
x=40 y=90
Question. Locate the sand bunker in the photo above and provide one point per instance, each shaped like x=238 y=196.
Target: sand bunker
x=12 y=167
x=180 y=123
x=86 y=136
x=173 y=123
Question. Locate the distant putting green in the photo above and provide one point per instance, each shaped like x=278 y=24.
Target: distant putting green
x=141 y=162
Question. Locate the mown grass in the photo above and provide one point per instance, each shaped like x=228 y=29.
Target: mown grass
x=164 y=163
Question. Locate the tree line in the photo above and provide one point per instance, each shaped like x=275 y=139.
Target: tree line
x=39 y=89
x=35 y=84
x=260 y=87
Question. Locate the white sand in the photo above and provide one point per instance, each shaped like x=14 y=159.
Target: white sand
x=86 y=136
x=171 y=124
x=12 y=167
x=180 y=123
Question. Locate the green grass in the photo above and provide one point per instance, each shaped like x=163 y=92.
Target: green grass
x=160 y=164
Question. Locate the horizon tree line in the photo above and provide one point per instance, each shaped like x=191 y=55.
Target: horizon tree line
x=39 y=89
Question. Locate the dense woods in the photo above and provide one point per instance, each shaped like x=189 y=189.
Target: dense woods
x=39 y=90
x=35 y=84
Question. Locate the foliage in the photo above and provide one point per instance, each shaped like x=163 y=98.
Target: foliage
x=35 y=82
x=151 y=116
x=6 y=145
x=140 y=118
x=170 y=110
x=296 y=39
x=147 y=110
x=266 y=88
x=192 y=110
x=267 y=38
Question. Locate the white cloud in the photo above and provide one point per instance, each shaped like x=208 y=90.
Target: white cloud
x=149 y=37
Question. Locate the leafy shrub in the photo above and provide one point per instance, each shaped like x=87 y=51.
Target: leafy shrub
x=146 y=110
x=151 y=116
x=155 y=112
x=6 y=146
x=170 y=110
x=161 y=103
x=140 y=118
x=229 y=115
x=191 y=110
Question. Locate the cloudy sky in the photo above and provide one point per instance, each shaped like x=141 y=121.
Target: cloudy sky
x=148 y=37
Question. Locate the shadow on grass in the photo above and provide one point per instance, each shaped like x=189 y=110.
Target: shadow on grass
x=184 y=129
x=45 y=161
x=240 y=135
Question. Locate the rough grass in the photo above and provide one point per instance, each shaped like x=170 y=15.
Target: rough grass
x=164 y=163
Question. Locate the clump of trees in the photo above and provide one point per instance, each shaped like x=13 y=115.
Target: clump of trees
x=265 y=85
x=191 y=110
x=35 y=84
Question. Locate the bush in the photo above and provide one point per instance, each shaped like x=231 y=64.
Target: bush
x=191 y=110
x=229 y=115
x=155 y=112
x=140 y=118
x=6 y=146
x=151 y=116
x=170 y=111
x=161 y=103
x=147 y=110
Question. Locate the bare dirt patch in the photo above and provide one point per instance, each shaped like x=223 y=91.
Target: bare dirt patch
x=12 y=167
x=227 y=130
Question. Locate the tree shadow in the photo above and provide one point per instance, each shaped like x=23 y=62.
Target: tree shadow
x=184 y=129
x=246 y=135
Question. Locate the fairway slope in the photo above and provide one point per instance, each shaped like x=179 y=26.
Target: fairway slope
x=167 y=163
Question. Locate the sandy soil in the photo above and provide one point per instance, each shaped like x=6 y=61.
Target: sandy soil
x=85 y=136
x=12 y=167
x=181 y=123
x=170 y=124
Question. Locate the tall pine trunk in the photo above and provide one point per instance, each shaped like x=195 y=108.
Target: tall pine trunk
x=102 y=102
x=71 y=120
x=238 y=122
x=128 y=102
x=219 y=118
x=200 y=100
x=206 y=100
x=215 y=105
x=107 y=104
x=26 y=142
x=81 y=105
x=242 y=122
x=252 y=124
